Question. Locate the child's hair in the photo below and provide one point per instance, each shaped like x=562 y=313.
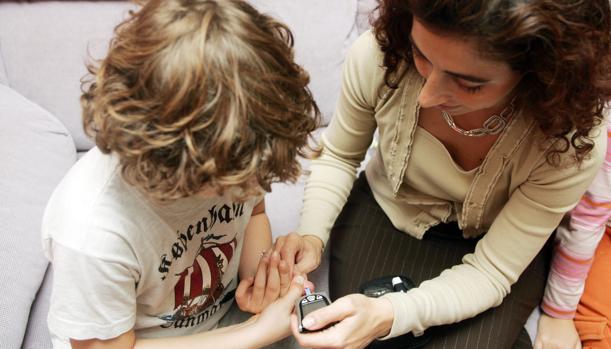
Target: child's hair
x=197 y=94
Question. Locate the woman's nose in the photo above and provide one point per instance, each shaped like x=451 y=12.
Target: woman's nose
x=434 y=92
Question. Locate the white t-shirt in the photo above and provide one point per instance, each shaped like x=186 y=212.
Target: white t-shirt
x=121 y=261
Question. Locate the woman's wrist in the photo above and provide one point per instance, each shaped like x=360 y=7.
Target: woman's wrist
x=385 y=316
x=318 y=243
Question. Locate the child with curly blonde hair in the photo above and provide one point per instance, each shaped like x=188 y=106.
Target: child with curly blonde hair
x=196 y=110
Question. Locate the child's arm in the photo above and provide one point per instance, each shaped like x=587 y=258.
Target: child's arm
x=576 y=244
x=257 y=240
x=573 y=253
x=556 y=333
x=258 y=331
x=264 y=277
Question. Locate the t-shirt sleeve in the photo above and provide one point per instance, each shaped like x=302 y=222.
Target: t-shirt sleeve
x=515 y=237
x=93 y=297
x=258 y=205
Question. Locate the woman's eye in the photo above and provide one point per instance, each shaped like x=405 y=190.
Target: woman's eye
x=470 y=89
x=473 y=89
x=416 y=53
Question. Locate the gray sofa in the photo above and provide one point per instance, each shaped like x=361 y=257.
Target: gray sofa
x=43 y=50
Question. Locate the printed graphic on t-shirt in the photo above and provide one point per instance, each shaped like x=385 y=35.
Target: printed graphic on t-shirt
x=200 y=286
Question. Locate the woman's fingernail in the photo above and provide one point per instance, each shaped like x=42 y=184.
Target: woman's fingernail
x=307 y=322
x=299 y=279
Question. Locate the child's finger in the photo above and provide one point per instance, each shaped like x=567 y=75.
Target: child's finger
x=274 y=260
x=260 y=281
x=285 y=277
x=272 y=290
x=279 y=243
x=294 y=292
x=241 y=292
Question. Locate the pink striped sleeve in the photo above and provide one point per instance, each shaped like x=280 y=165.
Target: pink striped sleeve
x=576 y=243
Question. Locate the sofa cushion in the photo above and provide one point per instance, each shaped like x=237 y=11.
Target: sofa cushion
x=365 y=13
x=323 y=30
x=37 y=334
x=45 y=59
x=35 y=152
x=3 y=79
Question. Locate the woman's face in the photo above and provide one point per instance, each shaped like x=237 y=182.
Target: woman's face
x=458 y=79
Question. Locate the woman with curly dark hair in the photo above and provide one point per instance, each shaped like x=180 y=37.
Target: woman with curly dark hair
x=490 y=127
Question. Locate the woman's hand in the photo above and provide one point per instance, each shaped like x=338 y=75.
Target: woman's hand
x=272 y=280
x=556 y=334
x=301 y=252
x=359 y=319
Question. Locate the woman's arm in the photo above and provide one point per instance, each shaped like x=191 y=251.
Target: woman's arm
x=515 y=237
x=344 y=145
x=346 y=141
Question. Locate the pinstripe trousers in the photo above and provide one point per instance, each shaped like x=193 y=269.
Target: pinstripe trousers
x=365 y=245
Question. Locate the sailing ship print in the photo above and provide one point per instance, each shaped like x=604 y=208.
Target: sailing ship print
x=200 y=285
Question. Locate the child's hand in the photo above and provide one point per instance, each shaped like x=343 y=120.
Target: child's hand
x=274 y=321
x=556 y=334
x=271 y=281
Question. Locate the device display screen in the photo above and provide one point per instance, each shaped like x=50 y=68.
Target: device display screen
x=312 y=306
x=309 y=303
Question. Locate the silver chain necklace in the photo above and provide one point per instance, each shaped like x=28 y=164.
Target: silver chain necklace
x=492 y=126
